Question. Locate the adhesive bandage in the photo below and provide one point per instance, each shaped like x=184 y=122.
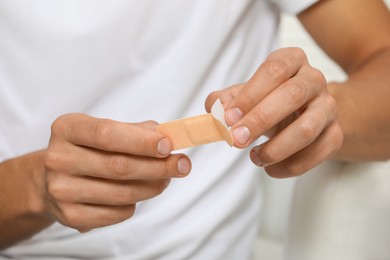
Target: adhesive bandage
x=197 y=130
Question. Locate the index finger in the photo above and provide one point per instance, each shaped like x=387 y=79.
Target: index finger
x=110 y=135
x=279 y=67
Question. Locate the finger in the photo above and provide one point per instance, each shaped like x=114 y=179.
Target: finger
x=298 y=135
x=111 y=135
x=67 y=188
x=150 y=124
x=226 y=96
x=322 y=149
x=96 y=163
x=279 y=67
x=85 y=217
x=278 y=105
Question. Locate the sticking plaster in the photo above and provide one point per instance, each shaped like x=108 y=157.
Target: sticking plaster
x=197 y=130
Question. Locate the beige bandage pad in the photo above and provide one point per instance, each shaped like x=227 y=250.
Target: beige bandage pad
x=197 y=130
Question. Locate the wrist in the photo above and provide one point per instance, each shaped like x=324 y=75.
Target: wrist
x=26 y=183
x=23 y=211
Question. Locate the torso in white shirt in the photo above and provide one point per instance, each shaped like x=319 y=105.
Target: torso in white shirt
x=134 y=61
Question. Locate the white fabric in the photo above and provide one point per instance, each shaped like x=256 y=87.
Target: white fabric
x=341 y=211
x=293 y=7
x=134 y=61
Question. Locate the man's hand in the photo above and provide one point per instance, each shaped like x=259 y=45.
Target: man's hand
x=96 y=170
x=92 y=174
x=287 y=100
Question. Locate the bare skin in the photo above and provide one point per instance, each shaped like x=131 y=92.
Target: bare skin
x=94 y=171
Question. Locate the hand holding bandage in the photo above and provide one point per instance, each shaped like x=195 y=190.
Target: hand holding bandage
x=286 y=100
x=198 y=130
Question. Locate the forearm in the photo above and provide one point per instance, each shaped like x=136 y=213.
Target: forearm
x=22 y=213
x=363 y=110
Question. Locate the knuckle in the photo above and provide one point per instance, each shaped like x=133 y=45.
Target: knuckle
x=318 y=77
x=124 y=194
x=297 y=92
x=101 y=133
x=317 y=80
x=58 y=187
x=63 y=124
x=250 y=98
x=118 y=165
x=146 y=141
x=149 y=124
x=277 y=69
x=309 y=128
x=51 y=160
x=55 y=188
x=298 y=53
x=59 y=125
x=261 y=118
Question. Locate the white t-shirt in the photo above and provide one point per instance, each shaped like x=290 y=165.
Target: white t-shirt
x=133 y=61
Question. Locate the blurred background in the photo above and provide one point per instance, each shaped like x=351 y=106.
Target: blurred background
x=274 y=223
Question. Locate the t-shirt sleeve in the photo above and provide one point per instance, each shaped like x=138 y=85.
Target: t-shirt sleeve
x=294 y=6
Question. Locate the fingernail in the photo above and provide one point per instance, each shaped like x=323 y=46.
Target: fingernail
x=234 y=115
x=184 y=166
x=164 y=146
x=241 y=134
x=256 y=160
